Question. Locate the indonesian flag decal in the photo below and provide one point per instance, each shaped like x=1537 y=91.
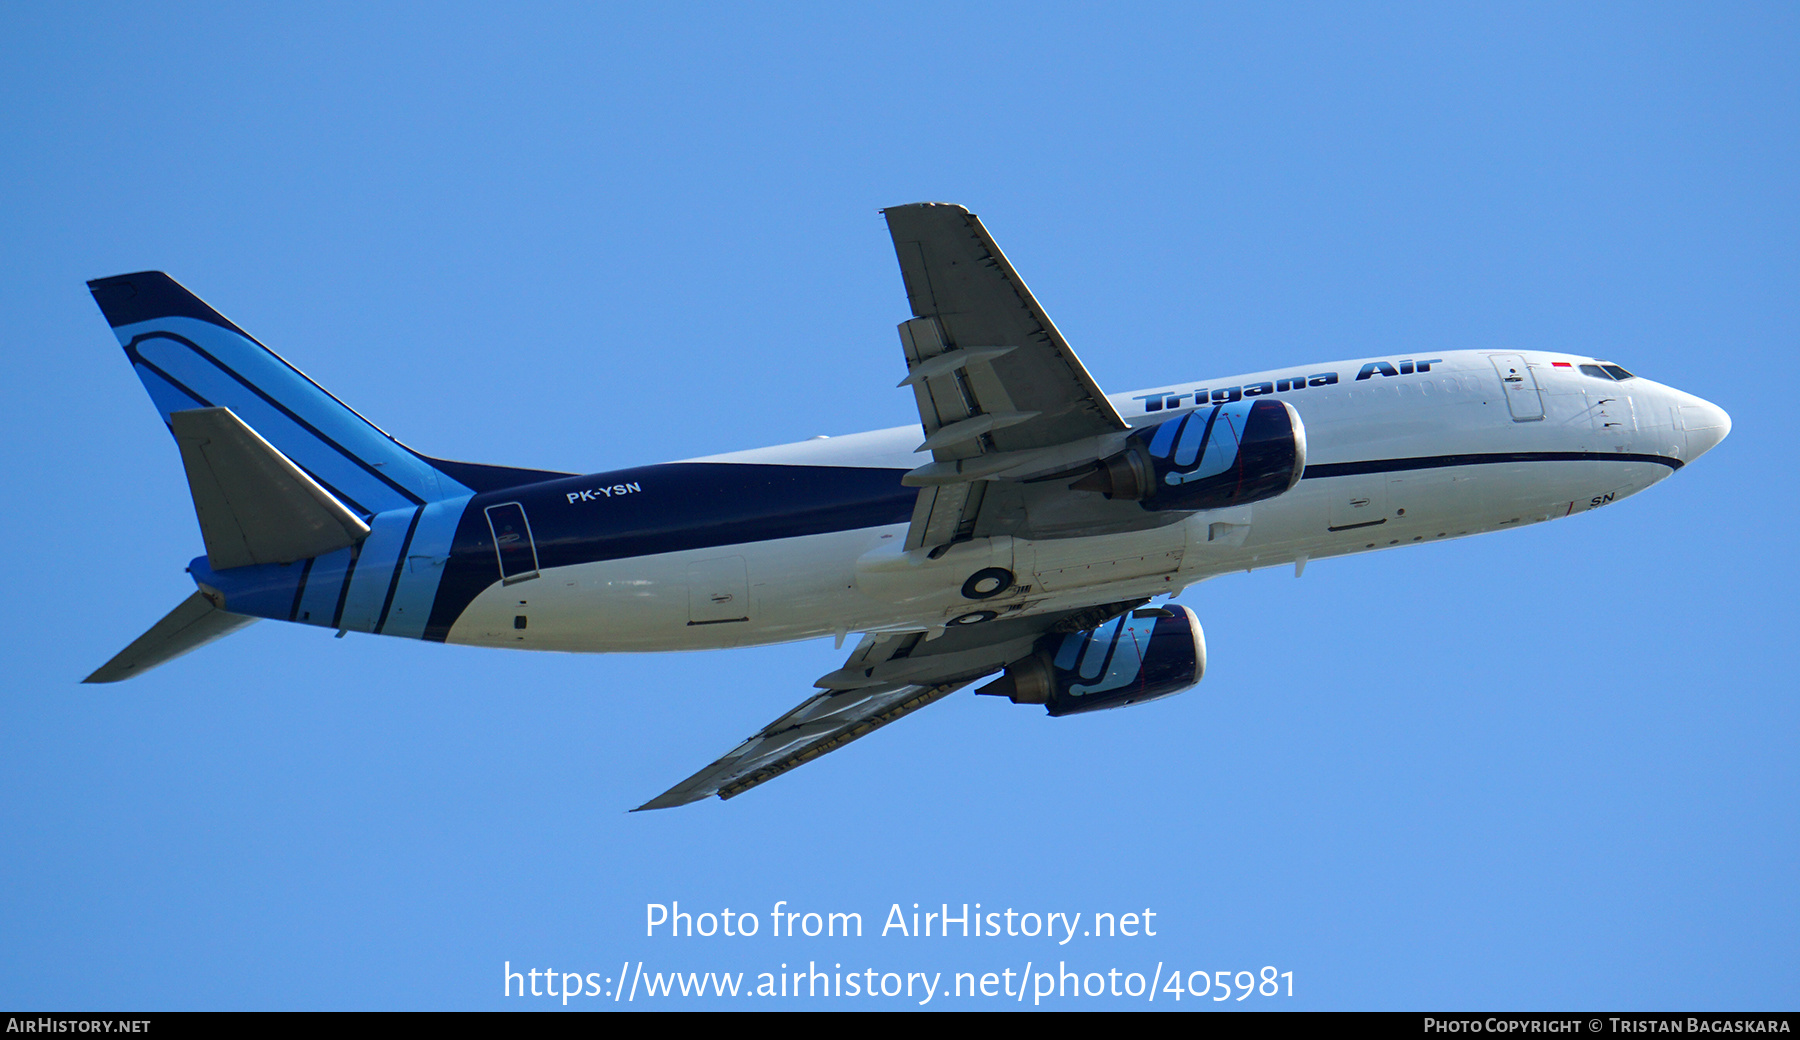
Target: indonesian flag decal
x=1560 y=364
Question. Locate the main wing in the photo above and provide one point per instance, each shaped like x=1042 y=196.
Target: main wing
x=995 y=381
x=885 y=678
x=998 y=388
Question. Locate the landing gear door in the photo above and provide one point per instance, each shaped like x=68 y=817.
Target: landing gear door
x=1520 y=386
x=513 y=542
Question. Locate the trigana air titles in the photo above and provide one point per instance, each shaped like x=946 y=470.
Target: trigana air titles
x=1020 y=537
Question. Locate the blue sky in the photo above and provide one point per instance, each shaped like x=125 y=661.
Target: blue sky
x=1549 y=768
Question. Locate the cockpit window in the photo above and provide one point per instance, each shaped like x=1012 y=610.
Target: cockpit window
x=1617 y=373
x=1594 y=370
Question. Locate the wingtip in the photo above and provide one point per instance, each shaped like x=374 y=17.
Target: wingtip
x=664 y=801
x=924 y=205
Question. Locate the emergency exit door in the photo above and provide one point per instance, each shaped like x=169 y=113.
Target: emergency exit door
x=1520 y=387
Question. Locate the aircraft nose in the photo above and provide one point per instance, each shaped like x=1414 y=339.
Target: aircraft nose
x=1706 y=424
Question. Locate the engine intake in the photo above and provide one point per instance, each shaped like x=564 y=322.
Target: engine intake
x=1134 y=658
x=1227 y=455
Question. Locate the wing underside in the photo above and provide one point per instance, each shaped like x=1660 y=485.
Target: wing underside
x=821 y=724
x=887 y=677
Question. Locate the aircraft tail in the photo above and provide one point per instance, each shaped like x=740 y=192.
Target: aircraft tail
x=189 y=356
x=280 y=470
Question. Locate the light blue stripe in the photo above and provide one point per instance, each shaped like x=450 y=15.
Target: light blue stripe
x=1165 y=437
x=1127 y=660
x=165 y=396
x=1098 y=644
x=1222 y=449
x=424 y=569
x=375 y=570
x=330 y=416
x=327 y=465
x=1190 y=438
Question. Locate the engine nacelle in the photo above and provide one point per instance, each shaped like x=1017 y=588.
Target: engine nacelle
x=1231 y=454
x=1137 y=657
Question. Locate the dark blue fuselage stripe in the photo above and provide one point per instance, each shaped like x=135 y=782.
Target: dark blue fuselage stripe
x=204 y=403
x=399 y=569
x=337 y=616
x=372 y=470
x=1346 y=469
x=300 y=589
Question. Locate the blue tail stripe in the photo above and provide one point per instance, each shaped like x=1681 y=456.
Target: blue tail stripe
x=422 y=569
x=187 y=359
x=374 y=573
x=186 y=347
x=166 y=394
x=170 y=395
x=323 y=462
x=399 y=570
x=260 y=371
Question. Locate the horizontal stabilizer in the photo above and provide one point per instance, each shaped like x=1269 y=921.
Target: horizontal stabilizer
x=254 y=504
x=188 y=627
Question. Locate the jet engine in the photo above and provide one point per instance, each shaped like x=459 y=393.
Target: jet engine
x=1136 y=657
x=1228 y=455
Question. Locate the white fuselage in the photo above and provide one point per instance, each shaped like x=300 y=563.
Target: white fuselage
x=1392 y=460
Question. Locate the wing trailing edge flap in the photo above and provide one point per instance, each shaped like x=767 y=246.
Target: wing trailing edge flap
x=254 y=504
x=190 y=626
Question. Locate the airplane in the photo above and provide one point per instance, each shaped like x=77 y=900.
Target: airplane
x=1020 y=534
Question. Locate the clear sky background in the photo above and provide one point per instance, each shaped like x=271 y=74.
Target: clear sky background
x=1550 y=768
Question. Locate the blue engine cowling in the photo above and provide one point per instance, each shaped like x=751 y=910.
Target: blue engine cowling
x=1227 y=455
x=1137 y=657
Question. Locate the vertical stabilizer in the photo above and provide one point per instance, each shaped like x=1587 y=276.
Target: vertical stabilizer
x=190 y=356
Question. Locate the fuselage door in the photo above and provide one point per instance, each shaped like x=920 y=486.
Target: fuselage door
x=1521 y=387
x=512 y=542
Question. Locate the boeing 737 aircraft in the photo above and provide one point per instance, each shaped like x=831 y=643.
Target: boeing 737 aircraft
x=1020 y=532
